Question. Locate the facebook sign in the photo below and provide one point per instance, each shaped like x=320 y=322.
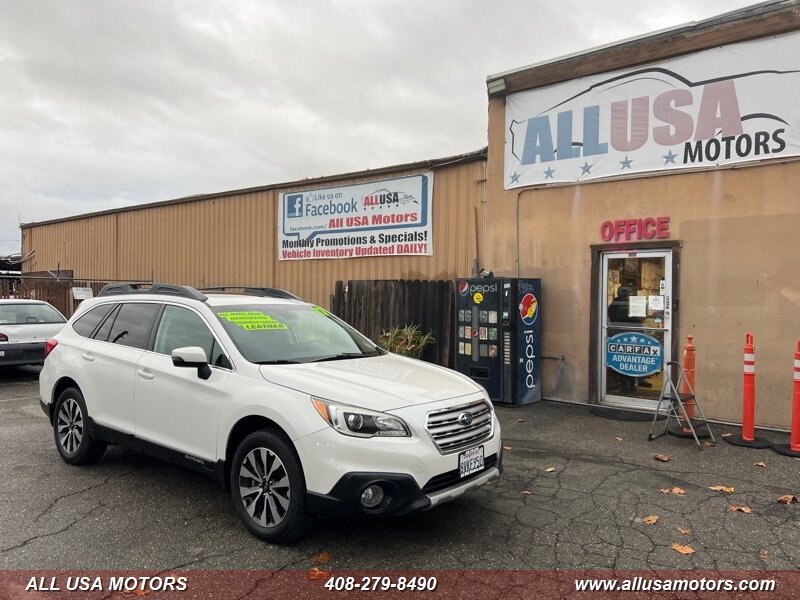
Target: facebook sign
x=294 y=205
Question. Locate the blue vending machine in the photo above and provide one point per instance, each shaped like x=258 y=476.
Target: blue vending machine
x=498 y=337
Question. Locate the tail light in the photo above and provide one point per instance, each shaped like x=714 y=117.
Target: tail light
x=3 y=337
x=49 y=345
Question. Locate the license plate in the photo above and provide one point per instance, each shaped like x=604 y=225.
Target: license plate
x=2 y=352
x=470 y=461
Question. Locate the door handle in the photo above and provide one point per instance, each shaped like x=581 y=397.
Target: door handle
x=88 y=356
x=145 y=374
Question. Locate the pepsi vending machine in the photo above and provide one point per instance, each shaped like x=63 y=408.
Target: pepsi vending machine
x=498 y=337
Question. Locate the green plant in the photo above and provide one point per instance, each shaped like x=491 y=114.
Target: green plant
x=407 y=340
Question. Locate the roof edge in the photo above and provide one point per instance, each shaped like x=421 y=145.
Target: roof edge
x=467 y=157
x=621 y=54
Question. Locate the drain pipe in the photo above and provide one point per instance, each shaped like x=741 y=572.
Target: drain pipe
x=519 y=194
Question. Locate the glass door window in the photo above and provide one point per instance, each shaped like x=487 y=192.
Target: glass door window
x=636 y=325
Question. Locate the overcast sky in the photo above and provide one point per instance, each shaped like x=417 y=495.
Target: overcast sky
x=107 y=104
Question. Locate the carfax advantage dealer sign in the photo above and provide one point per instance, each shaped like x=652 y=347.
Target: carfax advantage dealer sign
x=381 y=218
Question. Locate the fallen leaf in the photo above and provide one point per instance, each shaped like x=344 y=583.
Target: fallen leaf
x=651 y=520
x=549 y=469
x=662 y=457
x=727 y=434
x=678 y=491
x=721 y=488
x=682 y=549
x=507 y=448
x=323 y=558
x=760 y=464
x=740 y=508
x=525 y=492
x=684 y=530
x=708 y=444
x=788 y=499
x=619 y=439
x=664 y=490
x=315 y=573
x=520 y=420
x=763 y=554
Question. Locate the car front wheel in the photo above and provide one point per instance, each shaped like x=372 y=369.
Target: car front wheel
x=70 y=427
x=268 y=487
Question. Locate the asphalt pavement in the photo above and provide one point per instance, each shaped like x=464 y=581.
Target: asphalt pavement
x=574 y=494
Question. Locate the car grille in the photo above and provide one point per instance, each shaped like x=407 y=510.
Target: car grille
x=450 y=435
x=445 y=480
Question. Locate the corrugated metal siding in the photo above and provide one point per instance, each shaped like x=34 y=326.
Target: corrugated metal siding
x=232 y=240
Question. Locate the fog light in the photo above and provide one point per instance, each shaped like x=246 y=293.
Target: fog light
x=372 y=496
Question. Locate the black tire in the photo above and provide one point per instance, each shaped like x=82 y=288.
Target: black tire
x=275 y=507
x=71 y=430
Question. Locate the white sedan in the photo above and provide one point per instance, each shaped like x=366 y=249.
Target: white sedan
x=25 y=326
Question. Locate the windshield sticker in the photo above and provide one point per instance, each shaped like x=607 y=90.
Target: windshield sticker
x=252 y=320
x=322 y=311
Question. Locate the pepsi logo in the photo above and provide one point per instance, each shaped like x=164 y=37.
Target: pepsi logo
x=528 y=309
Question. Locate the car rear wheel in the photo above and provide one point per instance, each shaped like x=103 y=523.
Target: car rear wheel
x=268 y=487
x=70 y=427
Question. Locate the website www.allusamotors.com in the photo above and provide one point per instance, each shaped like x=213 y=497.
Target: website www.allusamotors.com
x=642 y=584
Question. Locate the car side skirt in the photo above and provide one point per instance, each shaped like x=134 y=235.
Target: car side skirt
x=212 y=469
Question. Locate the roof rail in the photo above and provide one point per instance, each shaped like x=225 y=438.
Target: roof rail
x=166 y=289
x=253 y=291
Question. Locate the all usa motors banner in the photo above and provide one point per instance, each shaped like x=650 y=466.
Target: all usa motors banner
x=380 y=218
x=725 y=105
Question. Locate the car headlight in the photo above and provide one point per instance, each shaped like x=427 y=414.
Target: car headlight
x=359 y=422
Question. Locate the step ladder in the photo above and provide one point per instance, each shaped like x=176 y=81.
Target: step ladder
x=677 y=401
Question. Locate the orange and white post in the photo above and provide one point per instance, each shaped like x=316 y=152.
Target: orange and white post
x=689 y=361
x=795 y=439
x=793 y=448
x=748 y=435
x=749 y=394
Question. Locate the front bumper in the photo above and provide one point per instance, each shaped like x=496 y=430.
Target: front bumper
x=21 y=354
x=402 y=493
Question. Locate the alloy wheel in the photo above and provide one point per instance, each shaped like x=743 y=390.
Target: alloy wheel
x=70 y=426
x=264 y=487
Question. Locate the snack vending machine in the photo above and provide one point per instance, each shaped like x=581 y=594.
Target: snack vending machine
x=498 y=337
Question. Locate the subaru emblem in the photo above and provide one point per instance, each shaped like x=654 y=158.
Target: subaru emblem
x=465 y=418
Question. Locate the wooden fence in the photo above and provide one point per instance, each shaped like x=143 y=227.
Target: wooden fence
x=56 y=292
x=372 y=306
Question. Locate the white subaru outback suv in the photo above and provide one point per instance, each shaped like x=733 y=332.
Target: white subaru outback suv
x=279 y=400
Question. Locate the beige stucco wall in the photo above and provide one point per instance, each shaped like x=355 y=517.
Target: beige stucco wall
x=738 y=269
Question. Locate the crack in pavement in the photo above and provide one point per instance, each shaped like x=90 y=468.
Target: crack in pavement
x=86 y=489
x=50 y=534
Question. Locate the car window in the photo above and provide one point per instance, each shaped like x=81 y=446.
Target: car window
x=102 y=333
x=22 y=314
x=132 y=324
x=179 y=328
x=291 y=332
x=87 y=323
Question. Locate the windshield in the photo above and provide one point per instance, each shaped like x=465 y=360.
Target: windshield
x=29 y=314
x=291 y=333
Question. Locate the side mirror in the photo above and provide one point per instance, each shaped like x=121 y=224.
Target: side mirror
x=192 y=357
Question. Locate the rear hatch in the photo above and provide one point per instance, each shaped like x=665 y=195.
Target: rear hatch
x=29 y=323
